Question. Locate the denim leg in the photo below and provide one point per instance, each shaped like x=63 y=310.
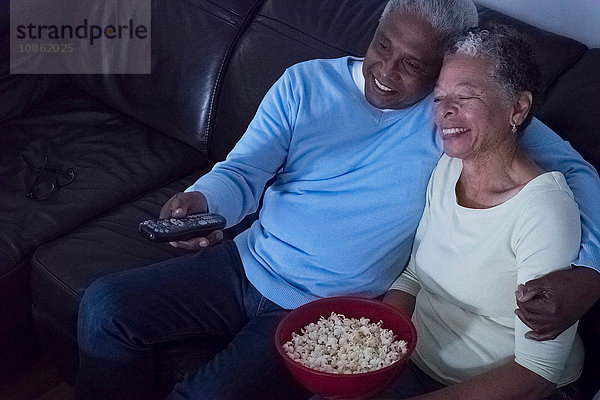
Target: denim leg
x=250 y=367
x=122 y=316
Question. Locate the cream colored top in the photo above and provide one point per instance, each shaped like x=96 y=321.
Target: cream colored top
x=465 y=267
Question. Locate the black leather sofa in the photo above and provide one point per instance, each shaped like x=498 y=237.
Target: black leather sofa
x=135 y=140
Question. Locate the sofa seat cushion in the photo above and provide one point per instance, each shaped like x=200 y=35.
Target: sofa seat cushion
x=114 y=159
x=64 y=268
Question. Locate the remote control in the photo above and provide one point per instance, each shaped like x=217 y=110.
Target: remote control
x=174 y=229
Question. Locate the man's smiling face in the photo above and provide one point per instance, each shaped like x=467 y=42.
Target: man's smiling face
x=402 y=62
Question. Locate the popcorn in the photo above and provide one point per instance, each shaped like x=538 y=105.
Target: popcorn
x=343 y=345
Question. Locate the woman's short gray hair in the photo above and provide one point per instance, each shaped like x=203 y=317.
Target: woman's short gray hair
x=447 y=17
x=512 y=59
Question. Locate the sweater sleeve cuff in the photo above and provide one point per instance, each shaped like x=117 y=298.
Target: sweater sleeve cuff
x=211 y=202
x=588 y=258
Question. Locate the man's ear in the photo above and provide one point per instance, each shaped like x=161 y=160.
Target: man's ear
x=521 y=107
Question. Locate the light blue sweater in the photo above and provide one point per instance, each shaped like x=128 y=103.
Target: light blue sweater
x=351 y=179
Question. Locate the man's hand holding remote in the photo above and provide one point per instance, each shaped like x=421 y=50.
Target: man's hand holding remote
x=182 y=204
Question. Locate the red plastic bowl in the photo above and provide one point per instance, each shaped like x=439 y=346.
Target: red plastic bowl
x=346 y=386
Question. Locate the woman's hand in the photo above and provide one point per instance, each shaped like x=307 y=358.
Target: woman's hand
x=183 y=204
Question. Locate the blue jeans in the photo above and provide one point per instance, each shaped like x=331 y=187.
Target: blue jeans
x=124 y=317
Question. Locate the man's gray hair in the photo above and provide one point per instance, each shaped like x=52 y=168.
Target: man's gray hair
x=447 y=17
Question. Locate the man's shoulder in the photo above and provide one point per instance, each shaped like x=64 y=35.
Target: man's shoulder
x=317 y=64
x=537 y=134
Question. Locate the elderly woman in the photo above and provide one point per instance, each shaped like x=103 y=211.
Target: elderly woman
x=493 y=220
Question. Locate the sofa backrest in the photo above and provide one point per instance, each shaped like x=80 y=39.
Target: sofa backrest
x=19 y=92
x=285 y=32
x=555 y=54
x=570 y=71
x=572 y=106
x=191 y=42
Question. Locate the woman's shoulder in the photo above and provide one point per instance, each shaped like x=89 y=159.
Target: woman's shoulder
x=549 y=181
x=548 y=192
x=549 y=220
x=445 y=172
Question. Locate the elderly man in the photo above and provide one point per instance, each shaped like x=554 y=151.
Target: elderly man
x=350 y=144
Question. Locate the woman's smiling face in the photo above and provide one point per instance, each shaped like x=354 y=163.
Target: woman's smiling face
x=471 y=113
x=402 y=62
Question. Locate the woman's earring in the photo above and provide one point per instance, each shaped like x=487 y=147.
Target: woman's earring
x=513 y=127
